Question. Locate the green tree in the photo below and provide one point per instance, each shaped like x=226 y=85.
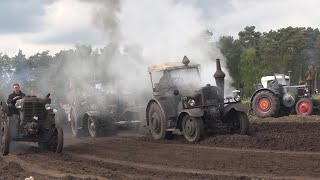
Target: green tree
x=250 y=71
x=231 y=50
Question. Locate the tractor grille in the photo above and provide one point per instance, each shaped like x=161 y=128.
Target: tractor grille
x=209 y=95
x=301 y=91
x=31 y=109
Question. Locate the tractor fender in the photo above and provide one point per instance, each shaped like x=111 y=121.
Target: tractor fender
x=235 y=106
x=153 y=100
x=259 y=90
x=195 y=112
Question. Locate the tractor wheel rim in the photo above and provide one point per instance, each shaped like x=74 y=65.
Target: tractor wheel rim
x=303 y=107
x=264 y=104
x=190 y=128
x=155 y=123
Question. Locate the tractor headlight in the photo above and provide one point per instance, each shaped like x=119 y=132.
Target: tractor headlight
x=236 y=95
x=18 y=104
x=306 y=91
x=237 y=98
x=192 y=102
x=48 y=106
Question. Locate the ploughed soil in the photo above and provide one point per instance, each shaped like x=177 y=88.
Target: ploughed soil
x=277 y=148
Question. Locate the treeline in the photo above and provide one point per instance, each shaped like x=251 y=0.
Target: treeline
x=255 y=54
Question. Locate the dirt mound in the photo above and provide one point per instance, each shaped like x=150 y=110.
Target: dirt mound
x=12 y=167
x=278 y=136
x=285 y=133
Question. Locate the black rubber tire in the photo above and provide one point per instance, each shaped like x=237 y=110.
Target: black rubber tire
x=192 y=128
x=93 y=127
x=5 y=139
x=304 y=103
x=273 y=104
x=157 y=122
x=58 y=140
x=238 y=122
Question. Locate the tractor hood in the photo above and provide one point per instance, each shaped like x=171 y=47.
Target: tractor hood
x=299 y=90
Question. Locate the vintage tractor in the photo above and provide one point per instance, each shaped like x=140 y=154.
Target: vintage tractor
x=180 y=103
x=34 y=122
x=276 y=96
x=102 y=111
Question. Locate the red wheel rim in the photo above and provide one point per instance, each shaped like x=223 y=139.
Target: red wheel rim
x=263 y=104
x=303 y=107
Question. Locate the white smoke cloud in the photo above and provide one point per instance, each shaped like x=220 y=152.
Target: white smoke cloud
x=165 y=30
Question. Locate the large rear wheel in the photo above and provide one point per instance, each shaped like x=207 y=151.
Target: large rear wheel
x=5 y=139
x=192 y=128
x=265 y=104
x=157 y=122
x=304 y=107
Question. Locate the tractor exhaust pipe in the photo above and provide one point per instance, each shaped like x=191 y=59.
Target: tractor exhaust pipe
x=309 y=82
x=289 y=77
x=219 y=77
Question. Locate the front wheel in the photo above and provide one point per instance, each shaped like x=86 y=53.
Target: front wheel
x=5 y=139
x=238 y=122
x=192 y=128
x=304 y=107
x=57 y=140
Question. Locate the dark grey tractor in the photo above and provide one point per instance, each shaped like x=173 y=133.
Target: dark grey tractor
x=103 y=112
x=34 y=122
x=179 y=103
x=275 y=96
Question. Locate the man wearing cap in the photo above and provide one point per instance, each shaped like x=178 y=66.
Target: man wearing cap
x=12 y=99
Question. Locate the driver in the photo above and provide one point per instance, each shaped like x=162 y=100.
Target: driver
x=165 y=80
x=12 y=99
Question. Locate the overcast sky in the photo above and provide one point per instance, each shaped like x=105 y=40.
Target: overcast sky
x=37 y=25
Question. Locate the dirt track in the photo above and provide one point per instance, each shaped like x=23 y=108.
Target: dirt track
x=282 y=148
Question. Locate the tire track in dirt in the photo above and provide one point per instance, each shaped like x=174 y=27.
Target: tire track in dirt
x=189 y=156
x=199 y=146
x=245 y=150
x=31 y=167
x=188 y=171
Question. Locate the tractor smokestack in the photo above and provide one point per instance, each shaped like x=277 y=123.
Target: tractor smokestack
x=289 y=77
x=301 y=82
x=309 y=81
x=219 y=77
